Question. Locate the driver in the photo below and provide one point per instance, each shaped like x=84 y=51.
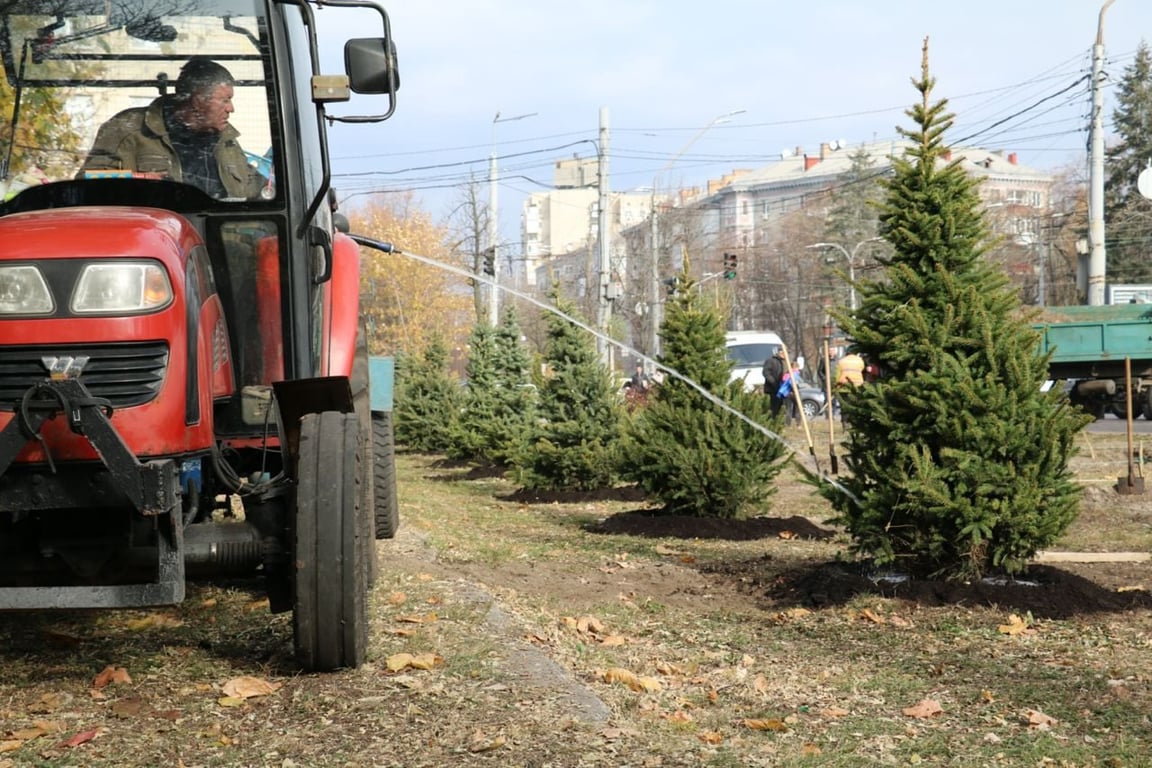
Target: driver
x=185 y=137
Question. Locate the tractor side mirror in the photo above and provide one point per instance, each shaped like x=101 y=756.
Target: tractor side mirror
x=370 y=63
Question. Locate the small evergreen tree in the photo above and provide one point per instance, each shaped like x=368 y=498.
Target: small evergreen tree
x=427 y=400
x=695 y=457
x=499 y=402
x=959 y=463
x=574 y=442
x=1128 y=215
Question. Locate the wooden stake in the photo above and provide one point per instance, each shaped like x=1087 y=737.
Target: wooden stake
x=800 y=408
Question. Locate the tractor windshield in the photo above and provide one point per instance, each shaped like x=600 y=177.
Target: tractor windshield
x=140 y=89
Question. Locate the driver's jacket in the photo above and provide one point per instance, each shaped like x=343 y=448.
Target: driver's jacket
x=137 y=140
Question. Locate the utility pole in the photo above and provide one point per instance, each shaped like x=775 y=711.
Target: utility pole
x=493 y=230
x=607 y=293
x=1097 y=259
x=494 y=220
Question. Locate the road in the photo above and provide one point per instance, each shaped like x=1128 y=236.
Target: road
x=1110 y=425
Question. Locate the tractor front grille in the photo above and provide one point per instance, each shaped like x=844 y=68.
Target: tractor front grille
x=125 y=374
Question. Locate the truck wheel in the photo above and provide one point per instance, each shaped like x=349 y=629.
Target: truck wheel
x=386 y=504
x=330 y=618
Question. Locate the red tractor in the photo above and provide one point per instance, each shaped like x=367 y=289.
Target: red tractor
x=184 y=377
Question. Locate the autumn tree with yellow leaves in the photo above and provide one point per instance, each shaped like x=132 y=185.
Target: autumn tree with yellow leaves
x=408 y=303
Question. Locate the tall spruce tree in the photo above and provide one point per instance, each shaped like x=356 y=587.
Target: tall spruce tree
x=958 y=462
x=427 y=400
x=573 y=444
x=1128 y=215
x=499 y=403
x=684 y=450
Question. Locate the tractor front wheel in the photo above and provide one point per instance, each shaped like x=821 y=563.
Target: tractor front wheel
x=330 y=618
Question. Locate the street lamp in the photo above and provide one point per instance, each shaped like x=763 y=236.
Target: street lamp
x=656 y=314
x=494 y=218
x=850 y=257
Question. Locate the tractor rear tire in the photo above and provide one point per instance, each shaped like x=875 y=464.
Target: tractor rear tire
x=330 y=618
x=386 y=504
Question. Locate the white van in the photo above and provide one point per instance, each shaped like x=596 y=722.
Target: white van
x=749 y=350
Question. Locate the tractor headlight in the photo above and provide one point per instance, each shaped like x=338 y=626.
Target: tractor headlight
x=23 y=291
x=125 y=286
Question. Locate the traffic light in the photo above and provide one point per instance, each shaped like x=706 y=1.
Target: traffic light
x=490 y=260
x=729 y=266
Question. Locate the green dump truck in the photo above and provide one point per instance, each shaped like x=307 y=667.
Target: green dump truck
x=1090 y=346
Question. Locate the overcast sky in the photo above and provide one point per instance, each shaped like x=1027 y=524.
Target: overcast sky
x=1015 y=72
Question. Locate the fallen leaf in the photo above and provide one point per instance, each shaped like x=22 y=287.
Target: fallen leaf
x=761 y=685
x=412 y=618
x=482 y=743
x=899 y=621
x=1015 y=625
x=618 y=675
x=870 y=616
x=613 y=640
x=399 y=661
x=50 y=702
x=153 y=621
x=790 y=614
x=1037 y=719
x=589 y=625
x=987 y=697
x=10 y=745
x=111 y=675
x=834 y=711
x=425 y=661
x=660 y=549
x=809 y=750
x=230 y=701
x=926 y=708
x=771 y=724
x=247 y=687
x=81 y=738
x=651 y=685
x=396 y=598
x=786 y=534
x=679 y=716
x=27 y=734
x=632 y=680
x=710 y=737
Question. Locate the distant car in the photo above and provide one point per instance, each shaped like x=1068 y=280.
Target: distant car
x=812 y=398
x=748 y=351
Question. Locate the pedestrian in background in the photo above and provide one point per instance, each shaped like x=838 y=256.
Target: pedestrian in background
x=849 y=373
x=774 y=371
